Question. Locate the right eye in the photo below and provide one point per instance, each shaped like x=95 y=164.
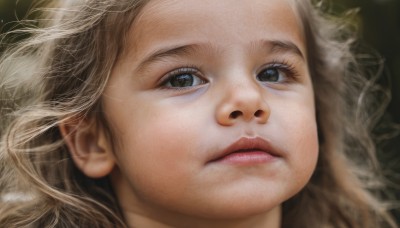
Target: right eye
x=182 y=78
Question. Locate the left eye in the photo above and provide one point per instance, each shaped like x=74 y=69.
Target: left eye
x=271 y=74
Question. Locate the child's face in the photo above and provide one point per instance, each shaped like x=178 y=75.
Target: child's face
x=196 y=78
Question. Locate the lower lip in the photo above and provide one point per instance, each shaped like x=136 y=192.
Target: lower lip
x=247 y=158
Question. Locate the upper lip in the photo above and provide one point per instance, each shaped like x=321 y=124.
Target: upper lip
x=247 y=144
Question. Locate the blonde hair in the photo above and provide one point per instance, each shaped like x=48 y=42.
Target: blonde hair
x=74 y=53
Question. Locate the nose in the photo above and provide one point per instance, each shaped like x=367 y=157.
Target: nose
x=243 y=103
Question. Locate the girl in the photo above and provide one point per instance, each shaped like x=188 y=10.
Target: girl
x=187 y=114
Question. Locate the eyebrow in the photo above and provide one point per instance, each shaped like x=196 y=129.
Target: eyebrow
x=274 y=46
x=179 y=50
x=278 y=46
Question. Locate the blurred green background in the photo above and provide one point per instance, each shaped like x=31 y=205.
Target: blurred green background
x=380 y=28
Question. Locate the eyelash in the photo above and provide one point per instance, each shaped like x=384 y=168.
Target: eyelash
x=184 y=70
x=284 y=66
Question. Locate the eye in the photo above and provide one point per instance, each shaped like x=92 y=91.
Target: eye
x=182 y=78
x=269 y=75
x=277 y=73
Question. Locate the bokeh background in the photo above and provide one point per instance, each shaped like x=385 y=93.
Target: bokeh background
x=379 y=27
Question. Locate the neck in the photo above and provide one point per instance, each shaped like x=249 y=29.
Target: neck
x=271 y=219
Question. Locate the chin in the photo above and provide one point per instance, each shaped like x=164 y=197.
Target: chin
x=235 y=208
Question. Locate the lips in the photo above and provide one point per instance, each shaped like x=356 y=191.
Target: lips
x=247 y=148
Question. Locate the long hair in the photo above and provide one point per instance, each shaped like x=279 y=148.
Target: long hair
x=344 y=189
x=73 y=53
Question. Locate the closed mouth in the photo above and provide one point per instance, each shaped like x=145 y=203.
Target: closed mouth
x=246 y=146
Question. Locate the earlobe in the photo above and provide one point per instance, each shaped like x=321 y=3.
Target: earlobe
x=89 y=147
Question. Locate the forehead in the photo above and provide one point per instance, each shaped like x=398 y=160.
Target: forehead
x=222 y=22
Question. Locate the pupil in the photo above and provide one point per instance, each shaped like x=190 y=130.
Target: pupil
x=183 y=80
x=271 y=75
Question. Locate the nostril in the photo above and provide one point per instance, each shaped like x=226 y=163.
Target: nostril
x=259 y=113
x=235 y=114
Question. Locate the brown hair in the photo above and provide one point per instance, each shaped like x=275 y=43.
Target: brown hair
x=74 y=55
x=340 y=192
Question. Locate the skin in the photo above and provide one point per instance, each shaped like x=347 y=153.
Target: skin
x=167 y=135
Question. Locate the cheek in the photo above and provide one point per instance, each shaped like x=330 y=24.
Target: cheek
x=300 y=140
x=307 y=144
x=156 y=150
x=293 y=127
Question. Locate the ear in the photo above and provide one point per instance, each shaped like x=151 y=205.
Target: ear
x=89 y=147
